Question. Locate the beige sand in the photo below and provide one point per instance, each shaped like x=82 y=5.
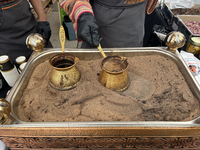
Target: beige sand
x=157 y=92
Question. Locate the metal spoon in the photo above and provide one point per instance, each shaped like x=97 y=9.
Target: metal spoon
x=62 y=38
x=101 y=50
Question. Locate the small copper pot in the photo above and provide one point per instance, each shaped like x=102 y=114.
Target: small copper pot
x=113 y=75
x=64 y=74
x=5 y=110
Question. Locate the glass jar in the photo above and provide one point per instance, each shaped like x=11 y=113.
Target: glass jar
x=193 y=45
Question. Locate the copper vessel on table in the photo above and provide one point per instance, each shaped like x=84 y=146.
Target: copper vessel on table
x=113 y=74
x=64 y=74
x=5 y=110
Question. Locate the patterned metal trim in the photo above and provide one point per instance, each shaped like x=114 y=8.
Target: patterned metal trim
x=104 y=142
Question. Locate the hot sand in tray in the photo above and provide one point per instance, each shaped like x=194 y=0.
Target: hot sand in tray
x=157 y=92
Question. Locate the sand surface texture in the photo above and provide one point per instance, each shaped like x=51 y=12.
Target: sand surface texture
x=157 y=92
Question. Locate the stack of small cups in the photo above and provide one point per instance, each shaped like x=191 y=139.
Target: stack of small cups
x=21 y=61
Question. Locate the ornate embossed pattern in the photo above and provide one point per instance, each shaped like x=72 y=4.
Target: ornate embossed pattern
x=115 y=142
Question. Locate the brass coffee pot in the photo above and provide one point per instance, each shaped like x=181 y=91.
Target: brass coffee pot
x=114 y=75
x=64 y=74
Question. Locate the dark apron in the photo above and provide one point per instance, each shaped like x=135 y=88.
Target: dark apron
x=17 y=22
x=120 y=22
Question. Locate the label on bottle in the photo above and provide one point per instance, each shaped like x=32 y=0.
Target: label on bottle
x=8 y=70
x=193 y=64
x=10 y=76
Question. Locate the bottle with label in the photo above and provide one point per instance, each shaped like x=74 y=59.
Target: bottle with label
x=8 y=70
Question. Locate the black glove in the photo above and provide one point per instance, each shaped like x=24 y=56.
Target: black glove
x=44 y=29
x=87 y=29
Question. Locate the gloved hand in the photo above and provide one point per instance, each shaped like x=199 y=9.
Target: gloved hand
x=87 y=29
x=44 y=29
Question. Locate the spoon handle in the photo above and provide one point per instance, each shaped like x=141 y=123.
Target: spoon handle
x=102 y=52
x=62 y=38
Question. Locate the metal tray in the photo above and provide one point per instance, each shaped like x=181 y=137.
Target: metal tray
x=98 y=130
x=17 y=90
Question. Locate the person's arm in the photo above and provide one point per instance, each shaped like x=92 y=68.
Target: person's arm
x=37 y=5
x=43 y=26
x=74 y=8
x=81 y=14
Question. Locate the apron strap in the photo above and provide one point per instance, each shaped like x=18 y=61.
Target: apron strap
x=1 y=15
x=151 y=5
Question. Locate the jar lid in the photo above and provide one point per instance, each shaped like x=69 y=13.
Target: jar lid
x=4 y=59
x=195 y=41
x=20 y=59
x=21 y=67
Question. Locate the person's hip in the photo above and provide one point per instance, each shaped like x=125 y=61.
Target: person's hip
x=5 y=1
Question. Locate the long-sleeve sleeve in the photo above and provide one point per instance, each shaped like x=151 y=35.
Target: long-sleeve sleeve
x=74 y=8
